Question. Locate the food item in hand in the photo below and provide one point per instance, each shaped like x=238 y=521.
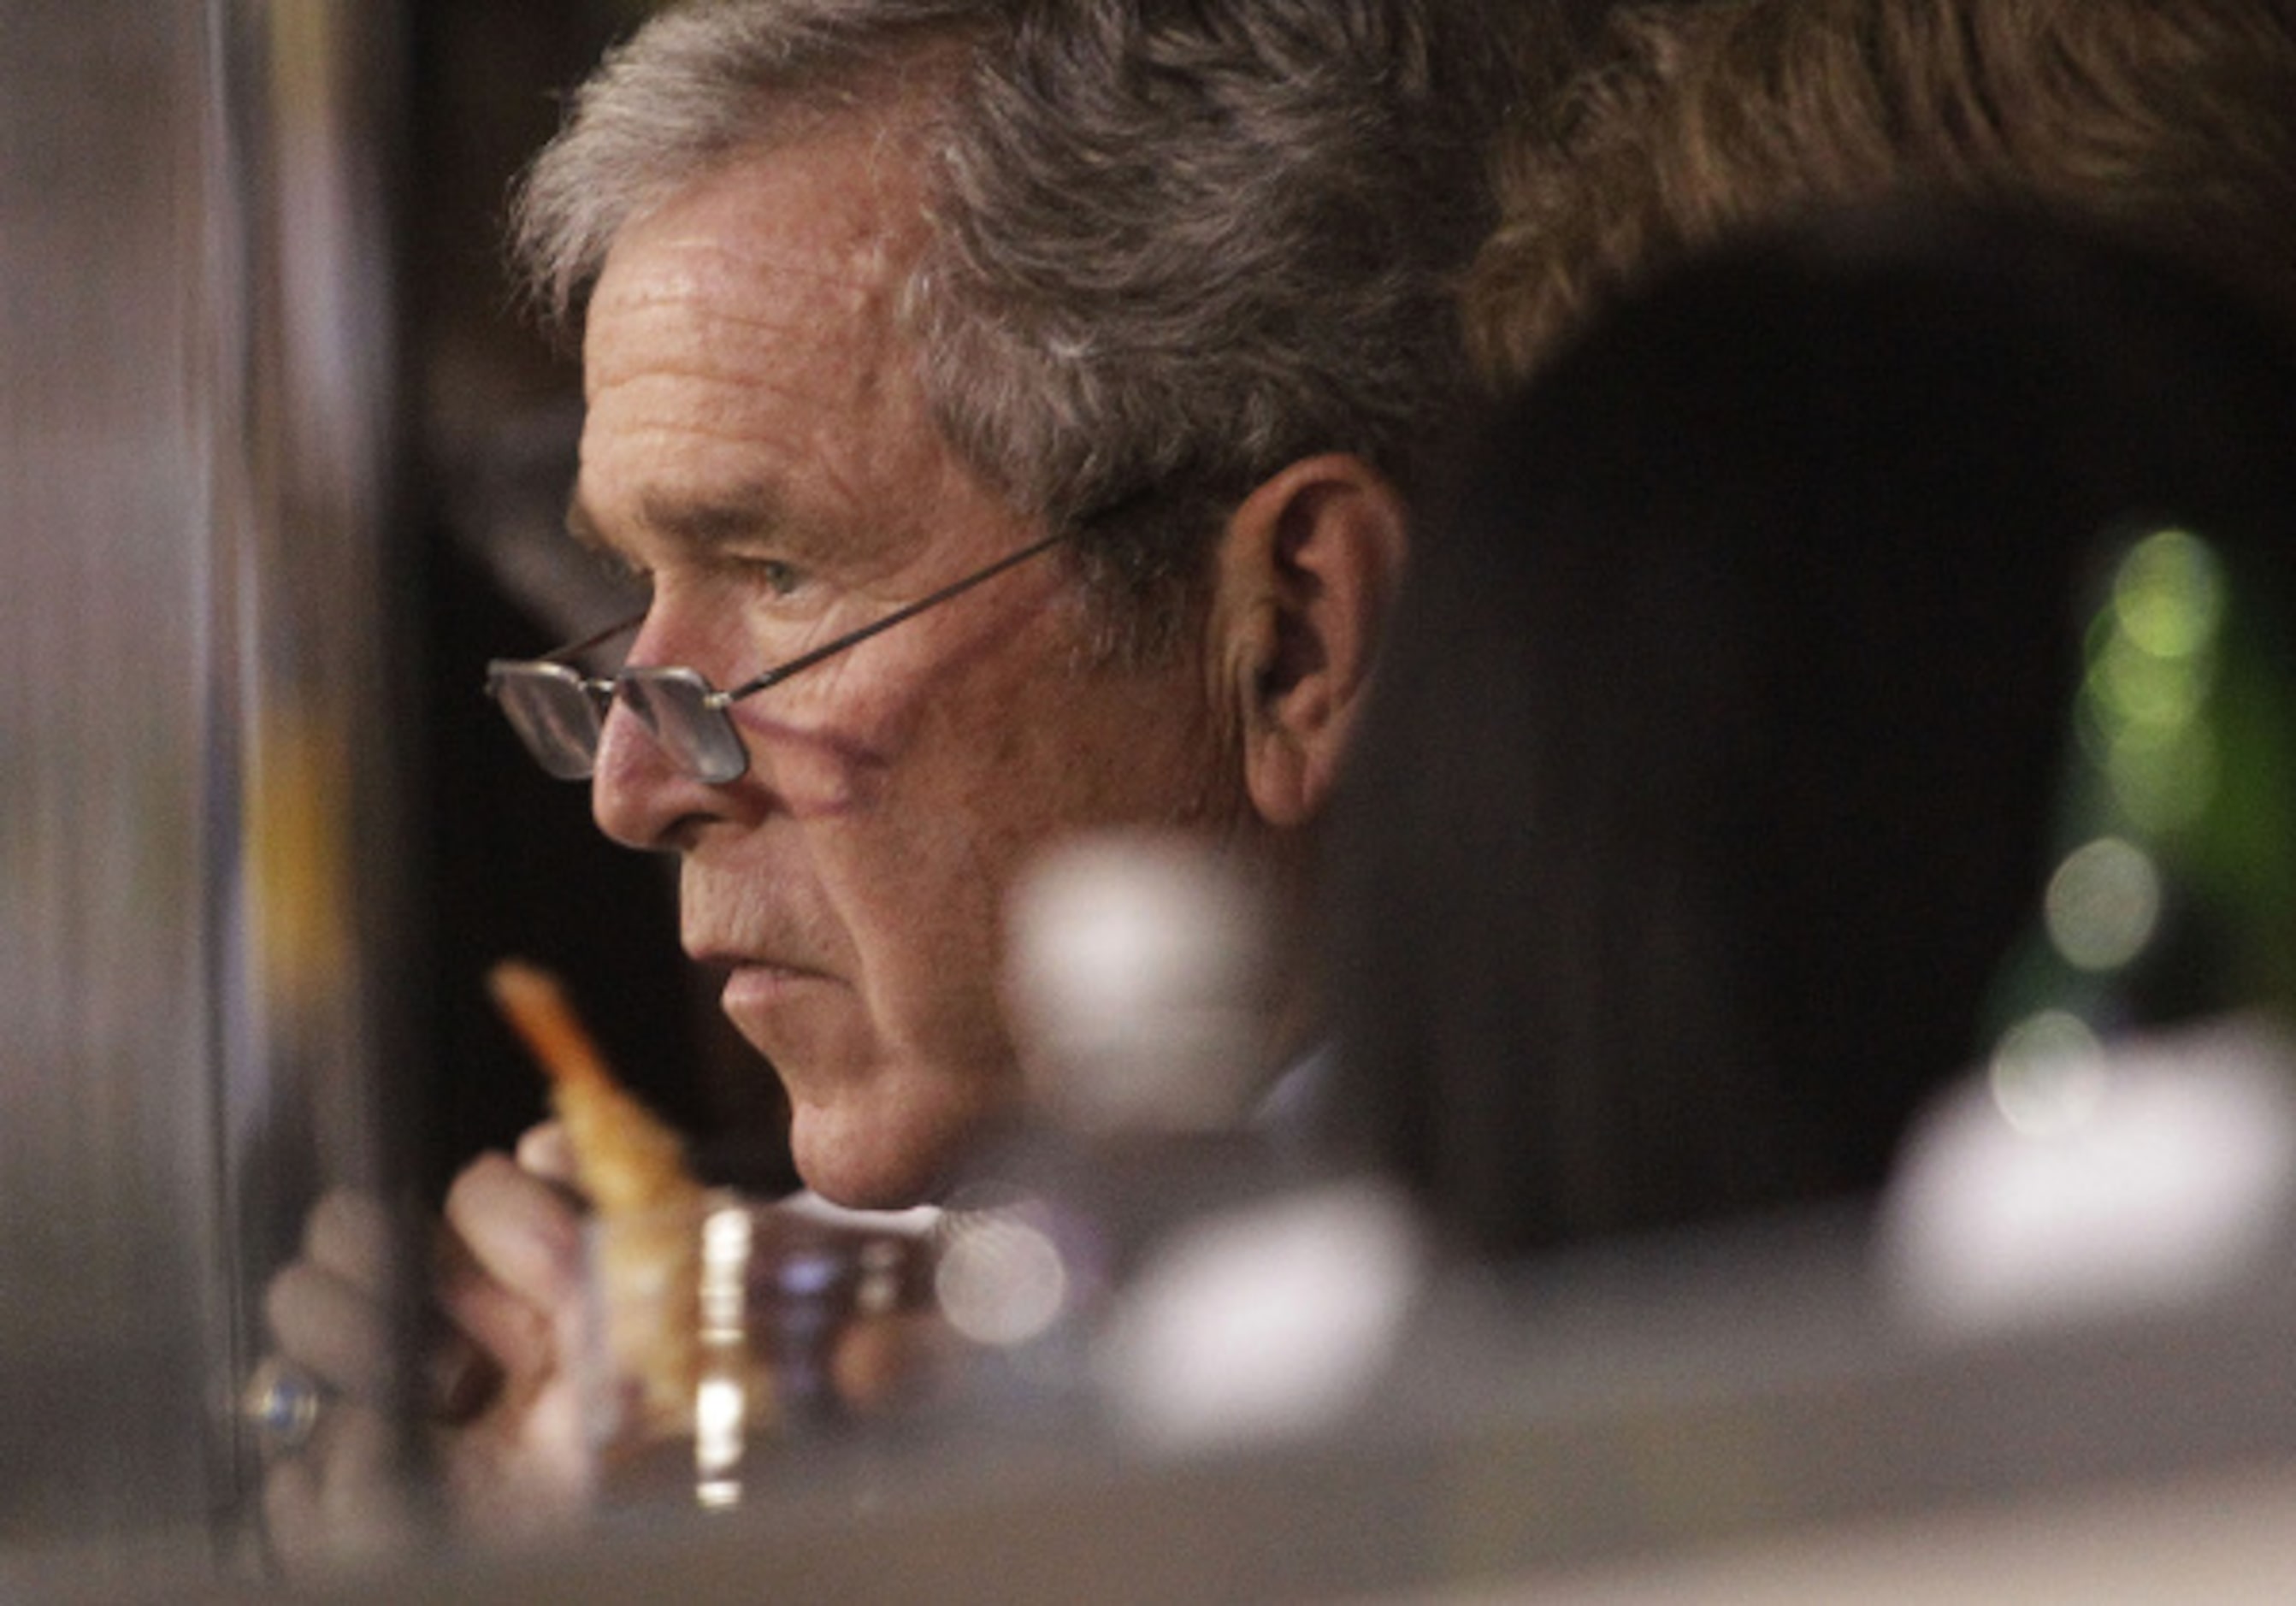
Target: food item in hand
x=630 y=1159
x=646 y=1231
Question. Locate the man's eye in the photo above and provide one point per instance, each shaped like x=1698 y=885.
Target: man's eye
x=622 y=569
x=779 y=578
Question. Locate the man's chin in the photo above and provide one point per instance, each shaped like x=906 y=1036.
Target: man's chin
x=873 y=1164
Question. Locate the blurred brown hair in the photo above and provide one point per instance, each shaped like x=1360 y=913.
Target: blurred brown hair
x=2170 y=122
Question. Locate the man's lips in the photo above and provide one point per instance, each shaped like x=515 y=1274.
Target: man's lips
x=753 y=983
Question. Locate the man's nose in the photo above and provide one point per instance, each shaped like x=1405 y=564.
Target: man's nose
x=640 y=795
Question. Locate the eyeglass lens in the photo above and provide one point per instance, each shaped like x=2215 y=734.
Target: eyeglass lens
x=557 y=714
x=553 y=712
x=688 y=719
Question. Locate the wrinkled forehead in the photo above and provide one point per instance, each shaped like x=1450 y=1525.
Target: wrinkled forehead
x=788 y=233
x=743 y=350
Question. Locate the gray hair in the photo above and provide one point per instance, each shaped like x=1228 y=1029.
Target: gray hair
x=1176 y=244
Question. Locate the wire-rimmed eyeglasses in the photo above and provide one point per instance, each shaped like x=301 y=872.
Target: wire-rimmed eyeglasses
x=560 y=713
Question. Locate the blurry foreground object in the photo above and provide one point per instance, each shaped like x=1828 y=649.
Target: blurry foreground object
x=2152 y=1174
x=1722 y=760
x=1137 y=1256
x=201 y=875
x=1142 y=986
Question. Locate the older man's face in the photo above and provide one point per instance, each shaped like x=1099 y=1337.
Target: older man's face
x=756 y=444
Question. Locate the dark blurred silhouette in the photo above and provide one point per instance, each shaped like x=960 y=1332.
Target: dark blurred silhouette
x=1718 y=758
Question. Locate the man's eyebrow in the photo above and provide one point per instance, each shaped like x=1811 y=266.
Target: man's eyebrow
x=699 y=522
x=722 y=519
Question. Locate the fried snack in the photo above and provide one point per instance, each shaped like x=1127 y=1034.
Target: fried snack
x=648 y=1204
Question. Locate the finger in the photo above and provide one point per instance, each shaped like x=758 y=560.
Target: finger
x=320 y=1505
x=350 y=1234
x=343 y=1499
x=362 y=1490
x=509 y=1264
x=330 y=1327
x=547 y=1152
x=518 y=1340
x=329 y=1312
x=518 y=1230
x=291 y=1525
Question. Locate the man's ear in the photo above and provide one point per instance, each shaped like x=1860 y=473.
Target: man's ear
x=1307 y=567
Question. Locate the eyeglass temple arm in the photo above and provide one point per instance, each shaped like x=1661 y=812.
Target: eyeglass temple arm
x=576 y=648
x=806 y=660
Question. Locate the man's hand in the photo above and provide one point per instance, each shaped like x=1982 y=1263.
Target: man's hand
x=503 y=1384
x=499 y=1390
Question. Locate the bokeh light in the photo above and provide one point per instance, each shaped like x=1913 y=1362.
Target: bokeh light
x=2104 y=903
x=2154 y=662
x=1001 y=1280
x=2047 y=1075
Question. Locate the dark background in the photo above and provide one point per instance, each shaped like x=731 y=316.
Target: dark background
x=510 y=861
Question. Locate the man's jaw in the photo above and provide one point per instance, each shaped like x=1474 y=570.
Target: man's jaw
x=880 y=1129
